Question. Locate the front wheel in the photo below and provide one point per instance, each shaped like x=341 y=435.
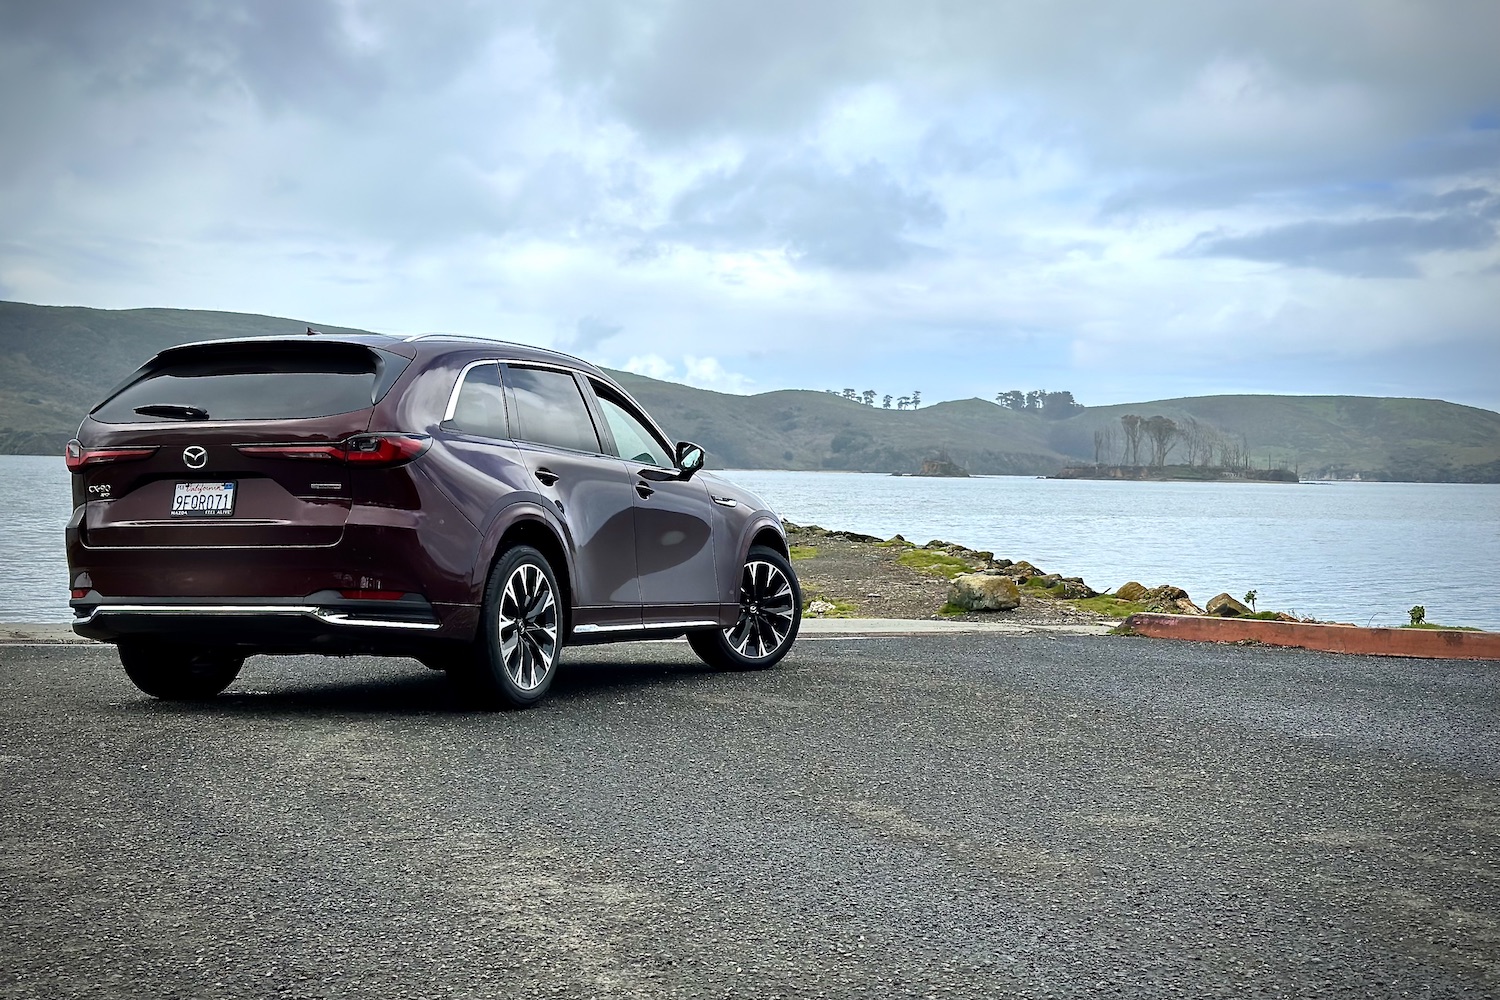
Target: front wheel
x=178 y=673
x=515 y=657
x=770 y=614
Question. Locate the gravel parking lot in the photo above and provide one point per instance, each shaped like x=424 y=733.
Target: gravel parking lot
x=914 y=816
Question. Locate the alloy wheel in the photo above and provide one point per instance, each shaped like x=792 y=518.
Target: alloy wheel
x=528 y=627
x=767 y=606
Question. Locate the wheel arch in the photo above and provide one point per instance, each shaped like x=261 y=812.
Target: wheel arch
x=531 y=527
x=767 y=533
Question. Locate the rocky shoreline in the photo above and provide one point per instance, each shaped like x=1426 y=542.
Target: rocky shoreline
x=846 y=574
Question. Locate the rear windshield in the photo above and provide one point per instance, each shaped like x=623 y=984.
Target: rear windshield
x=254 y=382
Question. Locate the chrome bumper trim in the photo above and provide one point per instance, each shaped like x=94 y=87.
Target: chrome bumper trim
x=322 y=614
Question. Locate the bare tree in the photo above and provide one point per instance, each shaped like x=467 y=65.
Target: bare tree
x=1104 y=445
x=1132 y=425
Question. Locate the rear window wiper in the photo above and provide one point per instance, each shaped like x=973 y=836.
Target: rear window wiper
x=180 y=410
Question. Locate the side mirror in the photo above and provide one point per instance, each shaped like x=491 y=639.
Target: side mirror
x=689 y=458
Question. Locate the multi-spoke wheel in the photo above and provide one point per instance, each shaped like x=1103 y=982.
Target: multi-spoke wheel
x=178 y=673
x=770 y=614
x=521 y=637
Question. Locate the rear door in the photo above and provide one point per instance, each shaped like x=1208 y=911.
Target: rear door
x=555 y=433
x=230 y=445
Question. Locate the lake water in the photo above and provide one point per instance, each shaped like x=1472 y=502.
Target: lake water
x=1356 y=552
x=1352 y=552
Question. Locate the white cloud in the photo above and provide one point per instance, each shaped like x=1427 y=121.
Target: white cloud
x=1114 y=200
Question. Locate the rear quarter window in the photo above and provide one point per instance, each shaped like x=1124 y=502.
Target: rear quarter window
x=257 y=382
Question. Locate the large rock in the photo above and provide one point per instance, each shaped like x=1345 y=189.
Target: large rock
x=1131 y=591
x=982 y=592
x=1226 y=607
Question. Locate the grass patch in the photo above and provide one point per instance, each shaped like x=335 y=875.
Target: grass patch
x=1433 y=626
x=950 y=609
x=1055 y=590
x=936 y=563
x=803 y=552
x=841 y=609
x=1104 y=604
x=896 y=543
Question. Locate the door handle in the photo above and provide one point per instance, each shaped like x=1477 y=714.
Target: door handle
x=644 y=490
x=546 y=477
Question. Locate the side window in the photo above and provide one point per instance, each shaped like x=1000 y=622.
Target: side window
x=480 y=408
x=550 y=410
x=633 y=440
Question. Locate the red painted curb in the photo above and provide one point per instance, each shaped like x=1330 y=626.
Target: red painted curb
x=1425 y=643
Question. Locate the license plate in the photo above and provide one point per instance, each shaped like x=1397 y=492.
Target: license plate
x=203 y=500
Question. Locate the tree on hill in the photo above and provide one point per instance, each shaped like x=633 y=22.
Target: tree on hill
x=1163 y=434
x=887 y=401
x=1057 y=405
x=868 y=396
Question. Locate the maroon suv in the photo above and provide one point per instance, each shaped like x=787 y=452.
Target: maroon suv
x=475 y=504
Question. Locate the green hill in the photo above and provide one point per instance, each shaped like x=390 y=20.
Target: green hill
x=61 y=360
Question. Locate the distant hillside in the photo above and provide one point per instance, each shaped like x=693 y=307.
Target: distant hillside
x=60 y=361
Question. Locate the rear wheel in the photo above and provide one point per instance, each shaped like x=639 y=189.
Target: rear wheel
x=178 y=673
x=520 y=639
x=770 y=614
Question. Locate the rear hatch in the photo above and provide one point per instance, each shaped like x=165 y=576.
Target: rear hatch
x=232 y=445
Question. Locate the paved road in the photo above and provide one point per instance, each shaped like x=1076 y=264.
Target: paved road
x=973 y=815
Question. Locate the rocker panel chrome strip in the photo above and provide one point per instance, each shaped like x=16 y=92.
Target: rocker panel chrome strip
x=653 y=627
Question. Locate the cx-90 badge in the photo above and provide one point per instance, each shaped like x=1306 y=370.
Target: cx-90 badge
x=194 y=457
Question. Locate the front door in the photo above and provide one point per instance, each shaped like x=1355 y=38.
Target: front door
x=674 y=549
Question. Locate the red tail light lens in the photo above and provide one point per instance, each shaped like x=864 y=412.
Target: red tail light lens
x=384 y=449
x=77 y=456
x=362 y=449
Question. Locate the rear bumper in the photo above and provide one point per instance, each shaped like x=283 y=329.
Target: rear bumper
x=276 y=625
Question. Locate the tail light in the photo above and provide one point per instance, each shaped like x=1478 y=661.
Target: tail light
x=77 y=456
x=362 y=449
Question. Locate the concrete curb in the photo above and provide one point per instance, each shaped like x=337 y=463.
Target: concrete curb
x=839 y=627
x=1421 y=643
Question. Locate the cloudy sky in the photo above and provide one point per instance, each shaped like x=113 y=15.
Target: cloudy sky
x=1129 y=201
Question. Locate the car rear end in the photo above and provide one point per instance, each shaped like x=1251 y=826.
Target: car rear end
x=252 y=494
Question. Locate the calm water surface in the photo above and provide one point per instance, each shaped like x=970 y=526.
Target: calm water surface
x=1359 y=552
x=1354 y=552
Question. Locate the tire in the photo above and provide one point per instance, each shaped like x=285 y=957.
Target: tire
x=770 y=615
x=178 y=673
x=520 y=634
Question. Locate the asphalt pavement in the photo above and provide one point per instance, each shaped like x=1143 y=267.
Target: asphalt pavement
x=976 y=814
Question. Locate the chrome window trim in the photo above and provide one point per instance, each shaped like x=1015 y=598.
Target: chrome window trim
x=459 y=384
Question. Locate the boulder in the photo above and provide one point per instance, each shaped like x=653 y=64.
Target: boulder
x=1022 y=570
x=980 y=592
x=1226 y=607
x=1131 y=591
x=817 y=609
x=1074 y=588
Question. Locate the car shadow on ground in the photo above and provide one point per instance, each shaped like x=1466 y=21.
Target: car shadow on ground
x=406 y=688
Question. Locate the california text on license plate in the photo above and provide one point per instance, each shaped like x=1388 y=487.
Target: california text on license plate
x=203 y=500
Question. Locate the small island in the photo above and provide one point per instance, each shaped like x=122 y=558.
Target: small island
x=944 y=467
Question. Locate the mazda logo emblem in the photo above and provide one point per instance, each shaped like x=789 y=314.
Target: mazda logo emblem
x=194 y=457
